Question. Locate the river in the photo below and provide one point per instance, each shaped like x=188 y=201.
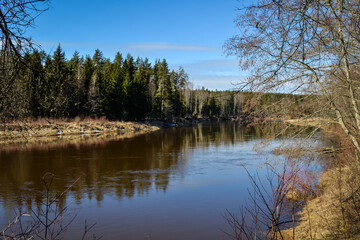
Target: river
x=171 y=184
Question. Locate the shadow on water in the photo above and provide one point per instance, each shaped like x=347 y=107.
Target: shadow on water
x=122 y=167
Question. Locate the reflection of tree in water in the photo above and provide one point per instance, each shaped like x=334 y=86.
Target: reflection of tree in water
x=126 y=167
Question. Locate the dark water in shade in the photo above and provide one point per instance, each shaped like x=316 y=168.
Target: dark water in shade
x=171 y=184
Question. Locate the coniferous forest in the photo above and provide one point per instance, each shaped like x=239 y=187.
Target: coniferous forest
x=40 y=85
x=125 y=88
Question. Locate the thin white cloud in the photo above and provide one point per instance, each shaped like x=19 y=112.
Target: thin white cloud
x=214 y=67
x=224 y=82
x=221 y=74
x=170 y=47
x=217 y=62
x=138 y=46
x=222 y=65
x=63 y=44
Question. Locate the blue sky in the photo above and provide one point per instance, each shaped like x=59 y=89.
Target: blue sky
x=188 y=33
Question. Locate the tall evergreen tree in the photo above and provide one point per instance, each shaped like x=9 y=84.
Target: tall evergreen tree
x=118 y=91
x=94 y=100
x=154 y=90
x=139 y=102
x=34 y=77
x=164 y=93
x=87 y=73
x=57 y=80
x=75 y=67
x=129 y=86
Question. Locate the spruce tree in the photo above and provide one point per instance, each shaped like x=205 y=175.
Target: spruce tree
x=87 y=73
x=33 y=77
x=139 y=99
x=129 y=90
x=58 y=91
x=75 y=67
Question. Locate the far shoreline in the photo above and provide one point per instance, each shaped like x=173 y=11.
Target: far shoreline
x=36 y=133
x=48 y=130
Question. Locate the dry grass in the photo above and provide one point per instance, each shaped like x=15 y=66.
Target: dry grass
x=310 y=122
x=335 y=213
x=50 y=142
x=43 y=130
x=330 y=207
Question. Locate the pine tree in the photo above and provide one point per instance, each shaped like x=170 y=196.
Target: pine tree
x=111 y=88
x=58 y=90
x=128 y=84
x=33 y=76
x=164 y=93
x=154 y=90
x=139 y=99
x=75 y=67
x=106 y=87
x=87 y=73
x=94 y=100
x=118 y=91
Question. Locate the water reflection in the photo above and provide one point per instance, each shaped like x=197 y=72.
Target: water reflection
x=121 y=167
x=125 y=167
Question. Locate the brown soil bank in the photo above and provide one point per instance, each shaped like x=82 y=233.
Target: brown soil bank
x=46 y=130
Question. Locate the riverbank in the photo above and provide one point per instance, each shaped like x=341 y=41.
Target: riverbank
x=335 y=212
x=310 y=122
x=46 y=130
x=51 y=130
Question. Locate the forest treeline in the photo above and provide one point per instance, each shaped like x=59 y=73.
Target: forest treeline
x=125 y=88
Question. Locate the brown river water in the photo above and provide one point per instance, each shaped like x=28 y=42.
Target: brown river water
x=170 y=184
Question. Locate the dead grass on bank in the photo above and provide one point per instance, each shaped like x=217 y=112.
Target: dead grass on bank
x=328 y=210
x=310 y=122
x=50 y=130
x=335 y=212
x=329 y=206
x=51 y=142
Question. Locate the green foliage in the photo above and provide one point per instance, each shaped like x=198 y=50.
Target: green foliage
x=139 y=99
x=88 y=70
x=57 y=80
x=211 y=108
x=35 y=81
x=128 y=89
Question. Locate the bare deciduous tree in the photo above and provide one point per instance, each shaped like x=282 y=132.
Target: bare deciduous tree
x=16 y=16
x=305 y=46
